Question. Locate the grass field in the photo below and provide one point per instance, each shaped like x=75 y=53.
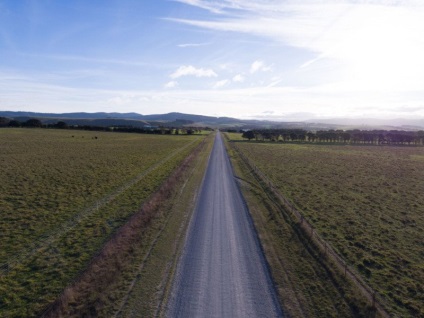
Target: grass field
x=366 y=202
x=63 y=193
x=133 y=274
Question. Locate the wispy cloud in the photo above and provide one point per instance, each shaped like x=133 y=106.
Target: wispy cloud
x=322 y=27
x=189 y=70
x=259 y=66
x=239 y=78
x=23 y=93
x=335 y=57
x=171 y=84
x=185 y=45
x=372 y=43
x=275 y=6
x=221 y=83
x=218 y=7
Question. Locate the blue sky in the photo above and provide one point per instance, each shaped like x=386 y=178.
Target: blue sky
x=270 y=59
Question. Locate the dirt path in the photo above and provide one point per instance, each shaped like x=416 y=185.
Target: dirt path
x=222 y=271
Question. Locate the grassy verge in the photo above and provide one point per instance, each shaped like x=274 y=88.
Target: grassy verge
x=132 y=274
x=306 y=286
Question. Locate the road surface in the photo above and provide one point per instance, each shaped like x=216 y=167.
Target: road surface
x=222 y=271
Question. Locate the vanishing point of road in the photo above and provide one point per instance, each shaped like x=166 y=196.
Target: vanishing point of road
x=222 y=271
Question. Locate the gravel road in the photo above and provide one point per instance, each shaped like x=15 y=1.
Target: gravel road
x=222 y=271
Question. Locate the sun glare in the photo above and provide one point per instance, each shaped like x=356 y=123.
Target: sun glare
x=382 y=49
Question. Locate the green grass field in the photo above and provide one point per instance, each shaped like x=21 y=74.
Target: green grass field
x=366 y=202
x=62 y=194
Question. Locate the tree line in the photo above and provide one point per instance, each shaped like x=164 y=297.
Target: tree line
x=161 y=130
x=355 y=136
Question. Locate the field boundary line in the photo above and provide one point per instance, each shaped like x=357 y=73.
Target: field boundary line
x=45 y=240
x=309 y=232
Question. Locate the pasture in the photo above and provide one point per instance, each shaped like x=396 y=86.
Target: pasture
x=366 y=201
x=62 y=194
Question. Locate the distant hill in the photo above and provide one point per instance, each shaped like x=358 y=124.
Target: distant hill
x=99 y=122
x=176 y=119
x=376 y=123
x=81 y=115
x=134 y=119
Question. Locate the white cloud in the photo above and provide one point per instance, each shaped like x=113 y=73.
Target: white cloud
x=259 y=66
x=220 y=84
x=371 y=43
x=214 y=7
x=192 y=71
x=184 y=45
x=238 y=78
x=171 y=84
x=18 y=93
x=278 y=6
x=328 y=57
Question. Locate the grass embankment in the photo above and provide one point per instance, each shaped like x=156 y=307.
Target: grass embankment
x=63 y=195
x=366 y=202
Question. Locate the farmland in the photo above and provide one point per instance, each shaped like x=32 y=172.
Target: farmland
x=63 y=194
x=366 y=201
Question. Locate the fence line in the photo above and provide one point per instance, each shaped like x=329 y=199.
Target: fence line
x=45 y=240
x=322 y=245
